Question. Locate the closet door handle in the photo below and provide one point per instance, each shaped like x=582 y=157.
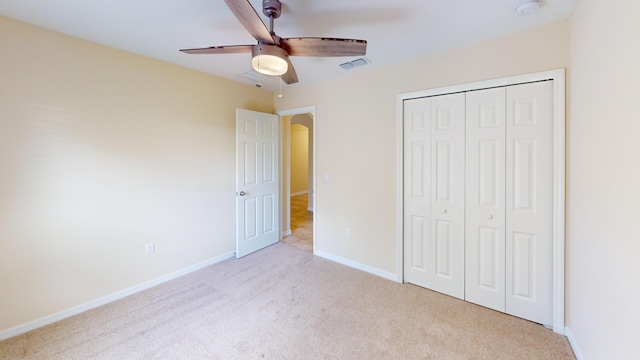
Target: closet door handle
x=444 y=211
x=489 y=216
x=242 y=193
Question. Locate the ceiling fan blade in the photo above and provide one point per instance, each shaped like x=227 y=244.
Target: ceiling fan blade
x=233 y=49
x=250 y=19
x=290 y=77
x=311 y=46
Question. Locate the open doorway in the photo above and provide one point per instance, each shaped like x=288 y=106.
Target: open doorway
x=298 y=188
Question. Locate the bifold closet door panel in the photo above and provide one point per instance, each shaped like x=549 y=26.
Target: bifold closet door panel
x=447 y=203
x=417 y=188
x=529 y=198
x=485 y=198
x=434 y=193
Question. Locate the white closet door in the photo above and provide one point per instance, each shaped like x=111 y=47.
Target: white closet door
x=434 y=193
x=485 y=199
x=529 y=197
x=417 y=189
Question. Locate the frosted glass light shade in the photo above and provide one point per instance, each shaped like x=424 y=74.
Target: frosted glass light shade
x=269 y=60
x=527 y=7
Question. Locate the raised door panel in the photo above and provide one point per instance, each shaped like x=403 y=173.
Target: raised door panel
x=250 y=179
x=529 y=227
x=485 y=199
x=251 y=219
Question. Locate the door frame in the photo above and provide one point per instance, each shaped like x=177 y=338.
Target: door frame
x=559 y=121
x=284 y=210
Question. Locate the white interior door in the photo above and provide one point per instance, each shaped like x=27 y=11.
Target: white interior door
x=529 y=210
x=485 y=199
x=434 y=193
x=257 y=174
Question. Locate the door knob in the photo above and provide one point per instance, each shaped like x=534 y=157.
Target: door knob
x=489 y=217
x=242 y=193
x=444 y=211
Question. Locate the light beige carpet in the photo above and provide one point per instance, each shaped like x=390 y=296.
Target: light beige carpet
x=284 y=303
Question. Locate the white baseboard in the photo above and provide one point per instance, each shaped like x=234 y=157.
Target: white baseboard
x=310 y=208
x=50 y=319
x=355 y=265
x=285 y=234
x=300 y=193
x=574 y=345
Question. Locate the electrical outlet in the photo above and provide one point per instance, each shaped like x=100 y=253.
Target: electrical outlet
x=149 y=249
x=348 y=233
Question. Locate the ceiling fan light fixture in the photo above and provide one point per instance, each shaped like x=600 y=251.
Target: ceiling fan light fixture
x=269 y=56
x=269 y=60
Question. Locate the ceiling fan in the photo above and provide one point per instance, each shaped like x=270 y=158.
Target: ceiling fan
x=271 y=55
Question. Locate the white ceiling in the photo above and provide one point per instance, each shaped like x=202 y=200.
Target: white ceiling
x=396 y=30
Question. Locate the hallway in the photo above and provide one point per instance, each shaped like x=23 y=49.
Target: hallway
x=301 y=224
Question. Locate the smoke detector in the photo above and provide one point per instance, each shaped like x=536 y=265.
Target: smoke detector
x=527 y=7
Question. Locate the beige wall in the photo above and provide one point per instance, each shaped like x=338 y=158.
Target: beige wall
x=102 y=151
x=603 y=242
x=285 y=173
x=307 y=120
x=357 y=142
x=299 y=158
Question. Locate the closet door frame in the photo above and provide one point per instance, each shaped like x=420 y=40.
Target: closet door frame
x=558 y=78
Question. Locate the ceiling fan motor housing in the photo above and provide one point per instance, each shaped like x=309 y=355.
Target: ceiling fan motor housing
x=271 y=8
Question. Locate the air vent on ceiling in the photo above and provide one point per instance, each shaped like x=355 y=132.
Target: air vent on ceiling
x=252 y=75
x=355 y=63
